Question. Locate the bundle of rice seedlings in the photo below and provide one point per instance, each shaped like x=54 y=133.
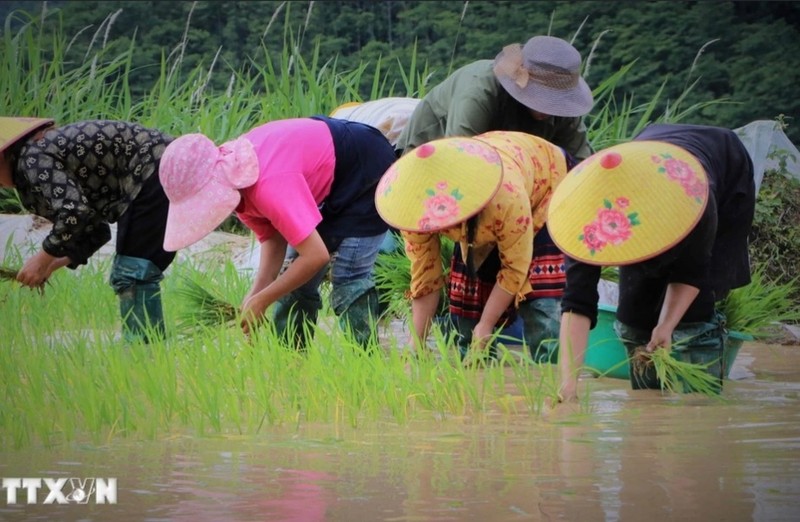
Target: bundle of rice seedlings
x=8 y=274
x=203 y=305
x=752 y=309
x=674 y=375
x=610 y=273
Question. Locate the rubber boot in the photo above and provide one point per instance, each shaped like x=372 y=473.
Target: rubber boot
x=295 y=319
x=136 y=281
x=541 y=320
x=356 y=305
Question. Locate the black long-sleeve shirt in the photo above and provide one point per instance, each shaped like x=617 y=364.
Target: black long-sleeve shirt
x=83 y=176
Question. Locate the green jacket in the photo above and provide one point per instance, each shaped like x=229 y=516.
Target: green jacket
x=471 y=101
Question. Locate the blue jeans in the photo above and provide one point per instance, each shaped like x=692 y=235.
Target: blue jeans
x=353 y=296
x=541 y=320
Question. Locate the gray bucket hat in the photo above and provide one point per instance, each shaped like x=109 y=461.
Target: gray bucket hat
x=545 y=76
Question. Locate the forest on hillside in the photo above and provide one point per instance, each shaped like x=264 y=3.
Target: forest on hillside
x=746 y=54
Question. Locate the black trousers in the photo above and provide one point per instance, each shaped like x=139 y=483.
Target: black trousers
x=140 y=230
x=641 y=297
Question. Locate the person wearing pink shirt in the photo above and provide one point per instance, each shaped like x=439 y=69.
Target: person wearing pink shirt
x=305 y=187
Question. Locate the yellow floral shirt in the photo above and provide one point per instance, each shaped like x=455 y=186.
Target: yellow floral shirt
x=532 y=168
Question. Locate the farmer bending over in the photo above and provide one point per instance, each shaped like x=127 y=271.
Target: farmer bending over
x=306 y=187
x=83 y=176
x=489 y=194
x=673 y=208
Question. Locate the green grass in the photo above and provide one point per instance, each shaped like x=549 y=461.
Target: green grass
x=754 y=308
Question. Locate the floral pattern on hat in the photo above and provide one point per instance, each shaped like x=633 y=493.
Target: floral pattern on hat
x=386 y=182
x=440 y=207
x=678 y=170
x=611 y=226
x=480 y=150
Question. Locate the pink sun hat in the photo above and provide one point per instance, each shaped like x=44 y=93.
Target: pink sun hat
x=202 y=182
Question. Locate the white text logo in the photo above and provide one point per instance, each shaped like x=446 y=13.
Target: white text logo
x=60 y=490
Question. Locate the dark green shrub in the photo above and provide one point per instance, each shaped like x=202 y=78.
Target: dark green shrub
x=775 y=238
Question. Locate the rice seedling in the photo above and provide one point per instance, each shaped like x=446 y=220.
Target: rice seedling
x=392 y=276
x=754 y=308
x=675 y=375
x=8 y=274
x=203 y=305
x=66 y=374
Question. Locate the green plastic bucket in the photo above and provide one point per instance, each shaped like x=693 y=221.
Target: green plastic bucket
x=605 y=354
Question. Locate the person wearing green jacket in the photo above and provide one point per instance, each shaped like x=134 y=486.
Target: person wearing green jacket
x=536 y=88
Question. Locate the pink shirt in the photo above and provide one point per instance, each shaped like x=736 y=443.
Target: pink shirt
x=296 y=162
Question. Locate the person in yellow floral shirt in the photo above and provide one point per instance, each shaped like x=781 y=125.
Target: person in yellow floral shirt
x=489 y=194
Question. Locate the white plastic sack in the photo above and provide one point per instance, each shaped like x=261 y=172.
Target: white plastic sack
x=768 y=147
x=388 y=115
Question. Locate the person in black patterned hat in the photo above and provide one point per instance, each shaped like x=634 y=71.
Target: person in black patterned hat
x=82 y=176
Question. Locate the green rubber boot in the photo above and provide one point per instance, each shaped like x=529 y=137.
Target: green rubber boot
x=295 y=320
x=136 y=282
x=356 y=305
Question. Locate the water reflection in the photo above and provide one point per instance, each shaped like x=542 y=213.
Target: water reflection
x=635 y=456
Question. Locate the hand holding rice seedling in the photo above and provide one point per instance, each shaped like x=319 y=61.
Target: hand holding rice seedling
x=204 y=306
x=10 y=274
x=675 y=375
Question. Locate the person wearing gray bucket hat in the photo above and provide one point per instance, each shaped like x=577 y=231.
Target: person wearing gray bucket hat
x=536 y=88
x=544 y=75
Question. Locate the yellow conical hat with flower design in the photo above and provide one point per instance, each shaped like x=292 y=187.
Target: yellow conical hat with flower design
x=12 y=129
x=439 y=184
x=628 y=203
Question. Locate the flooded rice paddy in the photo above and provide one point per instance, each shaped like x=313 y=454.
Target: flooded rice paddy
x=633 y=456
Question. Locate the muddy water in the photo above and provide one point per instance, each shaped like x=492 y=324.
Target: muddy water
x=634 y=456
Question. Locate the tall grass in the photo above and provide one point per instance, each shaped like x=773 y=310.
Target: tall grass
x=37 y=79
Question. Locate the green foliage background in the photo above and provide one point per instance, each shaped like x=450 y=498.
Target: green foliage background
x=745 y=53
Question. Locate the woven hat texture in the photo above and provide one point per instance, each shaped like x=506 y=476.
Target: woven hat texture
x=439 y=184
x=12 y=129
x=628 y=203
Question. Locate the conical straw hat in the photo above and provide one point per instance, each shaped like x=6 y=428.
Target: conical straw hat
x=439 y=184
x=12 y=129
x=628 y=203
